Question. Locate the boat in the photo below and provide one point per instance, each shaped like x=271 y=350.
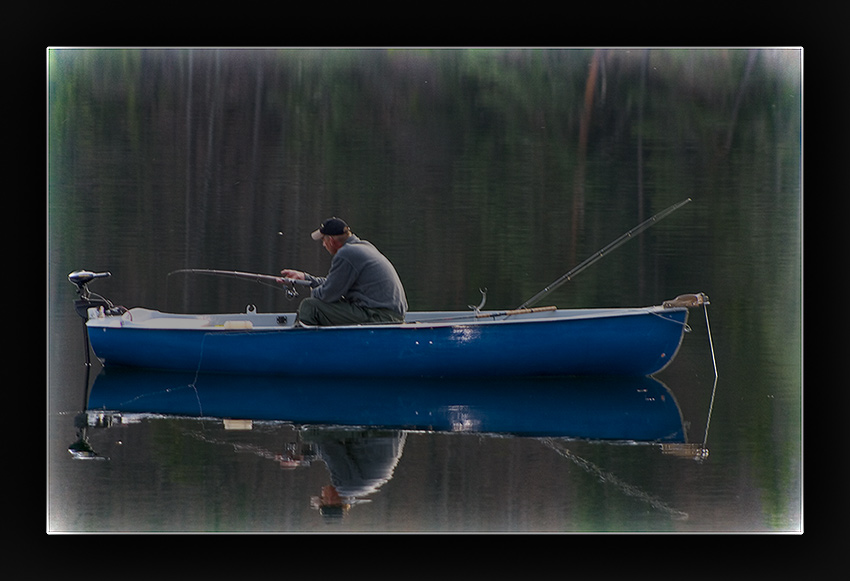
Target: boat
x=532 y=341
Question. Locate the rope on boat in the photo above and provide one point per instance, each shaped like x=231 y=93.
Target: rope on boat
x=713 y=389
x=710 y=341
x=693 y=450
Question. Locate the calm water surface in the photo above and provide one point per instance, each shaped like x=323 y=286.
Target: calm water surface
x=469 y=169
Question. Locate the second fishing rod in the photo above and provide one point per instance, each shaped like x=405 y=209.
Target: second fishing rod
x=604 y=251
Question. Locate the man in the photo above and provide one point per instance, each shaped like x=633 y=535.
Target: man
x=362 y=286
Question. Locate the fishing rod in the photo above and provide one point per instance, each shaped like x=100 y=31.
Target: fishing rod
x=266 y=279
x=616 y=243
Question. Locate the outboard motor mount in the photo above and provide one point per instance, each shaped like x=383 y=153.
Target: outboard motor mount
x=87 y=300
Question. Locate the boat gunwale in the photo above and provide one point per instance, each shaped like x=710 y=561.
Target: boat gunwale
x=439 y=319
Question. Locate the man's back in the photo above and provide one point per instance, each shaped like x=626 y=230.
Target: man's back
x=364 y=276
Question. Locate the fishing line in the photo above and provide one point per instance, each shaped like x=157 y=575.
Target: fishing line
x=193 y=385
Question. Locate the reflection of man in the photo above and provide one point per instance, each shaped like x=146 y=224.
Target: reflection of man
x=362 y=285
x=359 y=462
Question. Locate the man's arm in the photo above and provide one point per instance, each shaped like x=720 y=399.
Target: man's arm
x=341 y=277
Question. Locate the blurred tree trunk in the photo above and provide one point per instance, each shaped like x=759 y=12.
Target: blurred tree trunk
x=584 y=130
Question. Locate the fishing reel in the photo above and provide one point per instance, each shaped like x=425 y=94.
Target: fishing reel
x=289 y=290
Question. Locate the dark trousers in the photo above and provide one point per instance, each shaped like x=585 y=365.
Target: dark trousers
x=315 y=312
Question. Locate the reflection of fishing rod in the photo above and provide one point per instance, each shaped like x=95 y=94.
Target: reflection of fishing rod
x=266 y=279
x=603 y=476
x=616 y=243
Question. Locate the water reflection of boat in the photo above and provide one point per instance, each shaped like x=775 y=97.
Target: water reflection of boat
x=358 y=428
x=598 y=408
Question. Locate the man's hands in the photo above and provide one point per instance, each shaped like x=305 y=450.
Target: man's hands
x=293 y=274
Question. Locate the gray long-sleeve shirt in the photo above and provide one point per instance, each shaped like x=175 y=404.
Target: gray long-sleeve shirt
x=363 y=276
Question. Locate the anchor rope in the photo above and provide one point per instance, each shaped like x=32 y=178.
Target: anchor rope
x=710 y=341
x=713 y=389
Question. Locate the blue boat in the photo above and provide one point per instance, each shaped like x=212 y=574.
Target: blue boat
x=640 y=409
x=540 y=341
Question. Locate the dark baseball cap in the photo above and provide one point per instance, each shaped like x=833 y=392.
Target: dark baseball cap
x=330 y=227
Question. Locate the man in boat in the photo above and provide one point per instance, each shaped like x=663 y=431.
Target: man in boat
x=362 y=286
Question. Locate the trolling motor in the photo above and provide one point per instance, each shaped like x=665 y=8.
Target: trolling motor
x=88 y=300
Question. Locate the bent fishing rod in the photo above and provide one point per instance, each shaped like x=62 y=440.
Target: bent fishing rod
x=266 y=279
x=599 y=254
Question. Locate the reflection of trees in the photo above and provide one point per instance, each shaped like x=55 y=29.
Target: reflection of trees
x=242 y=142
